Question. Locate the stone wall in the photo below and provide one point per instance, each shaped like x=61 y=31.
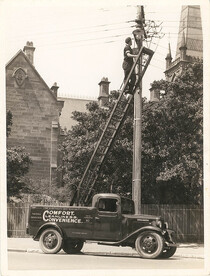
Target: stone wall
x=35 y=113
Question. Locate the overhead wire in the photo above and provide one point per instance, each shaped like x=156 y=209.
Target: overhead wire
x=82 y=33
x=113 y=37
x=84 y=40
x=88 y=27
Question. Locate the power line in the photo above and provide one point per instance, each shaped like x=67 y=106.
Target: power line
x=83 y=45
x=84 y=40
x=82 y=33
x=163 y=47
x=174 y=20
x=88 y=27
x=157 y=67
x=80 y=28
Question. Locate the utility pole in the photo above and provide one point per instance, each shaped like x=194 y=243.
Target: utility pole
x=136 y=187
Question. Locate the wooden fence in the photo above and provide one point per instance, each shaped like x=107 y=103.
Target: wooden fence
x=186 y=220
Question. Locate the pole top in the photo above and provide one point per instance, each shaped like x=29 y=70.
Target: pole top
x=140 y=18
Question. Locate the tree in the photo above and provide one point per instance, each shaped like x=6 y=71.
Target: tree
x=171 y=144
x=79 y=144
x=172 y=140
x=9 y=122
x=18 y=162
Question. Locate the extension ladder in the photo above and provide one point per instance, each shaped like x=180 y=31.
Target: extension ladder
x=86 y=186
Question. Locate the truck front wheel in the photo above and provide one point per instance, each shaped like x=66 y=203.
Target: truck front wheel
x=71 y=246
x=167 y=253
x=149 y=245
x=50 y=241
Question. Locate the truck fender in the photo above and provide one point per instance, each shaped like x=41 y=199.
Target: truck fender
x=140 y=230
x=150 y=228
x=135 y=234
x=45 y=226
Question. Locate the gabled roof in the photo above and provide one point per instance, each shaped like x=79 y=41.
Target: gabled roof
x=20 y=52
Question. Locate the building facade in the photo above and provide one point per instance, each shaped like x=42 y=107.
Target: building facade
x=189 y=45
x=39 y=115
x=35 y=114
x=76 y=104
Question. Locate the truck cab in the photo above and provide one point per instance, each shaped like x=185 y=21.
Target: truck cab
x=109 y=217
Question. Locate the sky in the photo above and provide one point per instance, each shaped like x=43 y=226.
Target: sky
x=80 y=42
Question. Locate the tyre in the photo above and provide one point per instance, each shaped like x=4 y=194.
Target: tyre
x=167 y=253
x=149 y=245
x=50 y=241
x=71 y=246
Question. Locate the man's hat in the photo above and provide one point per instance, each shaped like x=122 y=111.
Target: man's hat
x=128 y=39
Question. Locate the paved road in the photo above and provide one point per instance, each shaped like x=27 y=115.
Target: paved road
x=62 y=261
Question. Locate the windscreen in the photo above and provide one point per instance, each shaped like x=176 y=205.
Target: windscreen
x=127 y=206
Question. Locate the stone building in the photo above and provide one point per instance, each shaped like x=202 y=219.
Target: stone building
x=36 y=110
x=39 y=114
x=189 y=45
x=77 y=104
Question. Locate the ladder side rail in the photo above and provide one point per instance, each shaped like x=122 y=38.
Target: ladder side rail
x=150 y=53
x=146 y=65
x=119 y=125
x=111 y=114
x=132 y=68
x=110 y=146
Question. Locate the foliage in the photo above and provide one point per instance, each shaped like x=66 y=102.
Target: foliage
x=79 y=144
x=171 y=144
x=18 y=162
x=9 y=122
x=172 y=141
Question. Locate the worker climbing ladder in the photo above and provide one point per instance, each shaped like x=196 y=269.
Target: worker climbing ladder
x=86 y=186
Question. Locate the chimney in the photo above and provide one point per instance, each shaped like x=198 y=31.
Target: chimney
x=154 y=95
x=104 y=91
x=29 y=51
x=54 y=89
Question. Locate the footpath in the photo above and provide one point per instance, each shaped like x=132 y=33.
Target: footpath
x=189 y=250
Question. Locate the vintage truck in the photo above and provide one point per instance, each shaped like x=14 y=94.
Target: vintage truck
x=110 y=221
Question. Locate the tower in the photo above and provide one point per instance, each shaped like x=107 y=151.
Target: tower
x=189 y=42
x=190 y=25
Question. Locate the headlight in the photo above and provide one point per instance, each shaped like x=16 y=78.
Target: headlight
x=166 y=225
x=159 y=223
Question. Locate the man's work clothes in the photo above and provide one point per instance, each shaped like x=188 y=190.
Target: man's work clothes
x=127 y=65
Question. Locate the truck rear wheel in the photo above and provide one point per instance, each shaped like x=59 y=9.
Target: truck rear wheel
x=71 y=246
x=149 y=245
x=50 y=241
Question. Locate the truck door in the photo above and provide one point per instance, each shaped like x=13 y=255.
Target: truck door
x=107 y=224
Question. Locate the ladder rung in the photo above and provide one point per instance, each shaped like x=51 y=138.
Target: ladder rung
x=147 y=51
x=115 y=119
x=112 y=128
x=100 y=153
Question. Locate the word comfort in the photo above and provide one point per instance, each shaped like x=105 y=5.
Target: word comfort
x=61 y=216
